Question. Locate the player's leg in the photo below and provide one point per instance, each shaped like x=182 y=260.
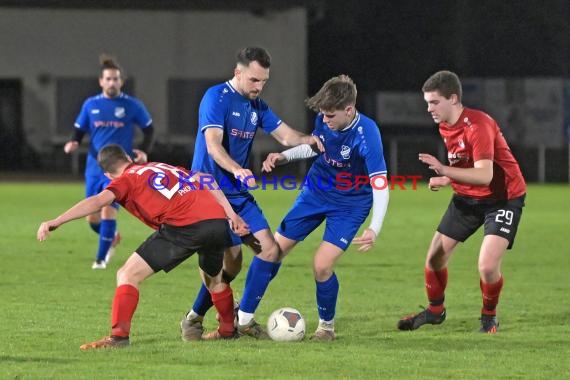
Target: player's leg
x=191 y=326
x=107 y=231
x=125 y=302
x=158 y=252
x=263 y=268
x=327 y=286
x=342 y=224
x=286 y=245
x=459 y=222
x=108 y=220
x=501 y=225
x=491 y=280
x=211 y=261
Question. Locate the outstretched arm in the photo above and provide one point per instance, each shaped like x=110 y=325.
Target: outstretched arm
x=288 y=136
x=83 y=208
x=300 y=152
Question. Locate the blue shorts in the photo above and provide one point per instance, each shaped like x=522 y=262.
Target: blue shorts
x=94 y=184
x=247 y=208
x=308 y=212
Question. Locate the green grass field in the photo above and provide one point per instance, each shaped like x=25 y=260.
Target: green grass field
x=51 y=301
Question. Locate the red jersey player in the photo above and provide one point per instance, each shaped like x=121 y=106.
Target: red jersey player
x=187 y=219
x=489 y=190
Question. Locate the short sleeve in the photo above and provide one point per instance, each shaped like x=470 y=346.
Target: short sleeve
x=212 y=111
x=82 y=121
x=142 y=118
x=481 y=137
x=269 y=120
x=371 y=149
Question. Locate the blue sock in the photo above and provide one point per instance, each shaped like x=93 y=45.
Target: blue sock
x=275 y=269
x=203 y=301
x=106 y=236
x=95 y=227
x=327 y=293
x=256 y=282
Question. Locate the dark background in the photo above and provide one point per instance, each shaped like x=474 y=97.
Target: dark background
x=396 y=45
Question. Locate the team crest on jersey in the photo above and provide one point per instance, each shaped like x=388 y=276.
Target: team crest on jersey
x=461 y=144
x=120 y=112
x=253 y=118
x=345 y=152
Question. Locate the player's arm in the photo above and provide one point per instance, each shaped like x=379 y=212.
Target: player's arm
x=480 y=174
x=380 y=199
x=207 y=181
x=288 y=136
x=300 y=152
x=141 y=155
x=83 y=208
x=216 y=150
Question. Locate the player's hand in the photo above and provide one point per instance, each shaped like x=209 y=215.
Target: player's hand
x=317 y=141
x=45 y=229
x=70 y=146
x=271 y=161
x=245 y=174
x=436 y=183
x=140 y=157
x=238 y=225
x=366 y=241
x=434 y=163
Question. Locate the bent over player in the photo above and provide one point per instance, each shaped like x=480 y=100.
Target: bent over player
x=187 y=220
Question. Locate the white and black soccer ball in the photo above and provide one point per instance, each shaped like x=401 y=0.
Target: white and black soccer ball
x=286 y=325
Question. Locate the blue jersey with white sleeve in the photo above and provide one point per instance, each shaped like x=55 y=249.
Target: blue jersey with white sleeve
x=239 y=118
x=110 y=121
x=338 y=175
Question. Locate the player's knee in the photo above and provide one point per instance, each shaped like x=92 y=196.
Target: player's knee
x=488 y=271
x=126 y=275
x=272 y=253
x=322 y=272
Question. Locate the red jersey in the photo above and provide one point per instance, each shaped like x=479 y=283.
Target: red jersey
x=476 y=136
x=158 y=193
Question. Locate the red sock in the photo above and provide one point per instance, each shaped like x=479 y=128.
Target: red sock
x=124 y=306
x=224 y=304
x=490 y=294
x=436 y=282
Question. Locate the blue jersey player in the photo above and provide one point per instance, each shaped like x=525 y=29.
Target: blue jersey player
x=343 y=184
x=230 y=115
x=109 y=118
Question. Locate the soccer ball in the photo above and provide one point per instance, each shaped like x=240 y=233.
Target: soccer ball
x=286 y=325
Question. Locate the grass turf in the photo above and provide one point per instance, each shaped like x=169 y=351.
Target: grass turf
x=52 y=302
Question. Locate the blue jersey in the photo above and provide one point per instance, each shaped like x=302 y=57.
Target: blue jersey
x=239 y=118
x=110 y=121
x=350 y=156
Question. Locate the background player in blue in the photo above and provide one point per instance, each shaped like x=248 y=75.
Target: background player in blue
x=109 y=118
x=229 y=117
x=337 y=191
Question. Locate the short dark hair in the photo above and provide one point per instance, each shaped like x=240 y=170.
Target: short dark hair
x=107 y=62
x=253 y=53
x=336 y=94
x=111 y=156
x=445 y=82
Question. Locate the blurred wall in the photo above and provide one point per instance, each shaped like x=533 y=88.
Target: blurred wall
x=40 y=45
